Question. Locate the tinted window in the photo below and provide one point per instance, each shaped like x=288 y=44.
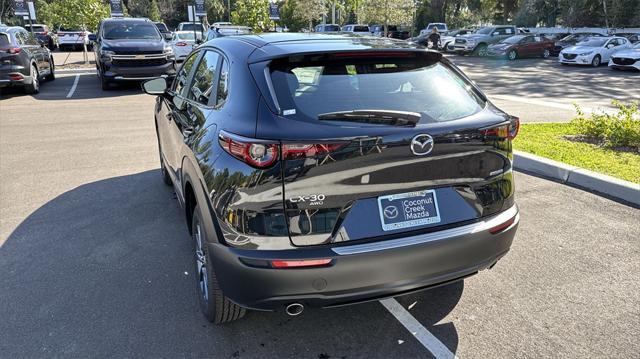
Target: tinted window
x=332 y=28
x=223 y=84
x=181 y=79
x=191 y=27
x=592 y=43
x=36 y=28
x=4 y=40
x=361 y=28
x=485 y=31
x=162 y=27
x=202 y=86
x=22 y=38
x=415 y=84
x=130 y=30
x=514 y=39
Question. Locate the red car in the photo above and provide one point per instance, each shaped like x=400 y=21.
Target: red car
x=519 y=46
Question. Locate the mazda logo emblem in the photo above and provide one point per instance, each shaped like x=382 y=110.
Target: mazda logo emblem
x=421 y=144
x=391 y=212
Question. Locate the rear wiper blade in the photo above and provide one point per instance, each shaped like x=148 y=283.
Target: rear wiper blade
x=382 y=117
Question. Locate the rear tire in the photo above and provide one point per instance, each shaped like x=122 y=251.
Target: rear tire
x=215 y=306
x=512 y=55
x=34 y=87
x=546 y=53
x=596 y=61
x=51 y=76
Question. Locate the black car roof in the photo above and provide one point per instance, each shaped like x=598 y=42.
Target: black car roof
x=131 y=19
x=272 y=45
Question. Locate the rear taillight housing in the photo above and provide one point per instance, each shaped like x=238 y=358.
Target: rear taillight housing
x=14 y=50
x=291 y=151
x=255 y=154
x=504 y=130
x=181 y=43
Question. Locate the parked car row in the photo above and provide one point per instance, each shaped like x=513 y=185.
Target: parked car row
x=393 y=31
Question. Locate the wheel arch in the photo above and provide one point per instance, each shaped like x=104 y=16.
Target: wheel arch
x=195 y=194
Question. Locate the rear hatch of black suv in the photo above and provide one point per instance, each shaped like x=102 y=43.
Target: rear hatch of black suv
x=382 y=144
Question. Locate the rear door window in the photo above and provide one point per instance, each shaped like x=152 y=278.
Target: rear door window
x=202 y=89
x=417 y=83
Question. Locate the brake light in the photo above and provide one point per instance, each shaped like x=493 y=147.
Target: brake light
x=508 y=131
x=258 y=155
x=181 y=43
x=14 y=50
x=297 y=151
x=16 y=77
x=300 y=263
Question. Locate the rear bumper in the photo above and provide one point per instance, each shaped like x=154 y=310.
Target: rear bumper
x=8 y=74
x=364 y=271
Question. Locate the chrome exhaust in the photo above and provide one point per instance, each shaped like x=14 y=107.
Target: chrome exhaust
x=294 y=309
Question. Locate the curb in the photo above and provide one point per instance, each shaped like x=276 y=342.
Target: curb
x=76 y=71
x=609 y=186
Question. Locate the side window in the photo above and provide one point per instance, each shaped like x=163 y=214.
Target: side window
x=21 y=38
x=181 y=79
x=202 y=86
x=223 y=85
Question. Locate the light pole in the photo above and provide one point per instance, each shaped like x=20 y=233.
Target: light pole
x=606 y=16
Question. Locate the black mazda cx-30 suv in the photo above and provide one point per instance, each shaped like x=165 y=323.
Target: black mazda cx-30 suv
x=325 y=170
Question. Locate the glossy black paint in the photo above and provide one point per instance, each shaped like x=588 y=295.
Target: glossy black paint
x=246 y=211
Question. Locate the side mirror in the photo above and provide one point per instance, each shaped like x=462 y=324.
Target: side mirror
x=157 y=86
x=93 y=37
x=168 y=36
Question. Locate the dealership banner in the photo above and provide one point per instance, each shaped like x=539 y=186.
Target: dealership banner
x=116 y=8
x=21 y=8
x=274 y=12
x=200 y=8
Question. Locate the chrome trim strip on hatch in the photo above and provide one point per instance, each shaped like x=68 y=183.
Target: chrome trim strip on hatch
x=430 y=237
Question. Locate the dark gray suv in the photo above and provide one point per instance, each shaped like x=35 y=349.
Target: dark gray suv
x=24 y=61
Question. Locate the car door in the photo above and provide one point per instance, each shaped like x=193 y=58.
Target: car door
x=608 y=49
x=168 y=111
x=200 y=91
x=42 y=54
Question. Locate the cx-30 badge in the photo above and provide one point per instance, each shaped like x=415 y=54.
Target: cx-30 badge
x=421 y=144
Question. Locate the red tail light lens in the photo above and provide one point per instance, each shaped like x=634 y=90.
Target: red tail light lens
x=501 y=227
x=14 y=50
x=16 y=77
x=297 y=151
x=181 y=43
x=258 y=155
x=300 y=263
x=508 y=131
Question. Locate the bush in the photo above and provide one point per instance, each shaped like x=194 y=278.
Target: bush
x=620 y=129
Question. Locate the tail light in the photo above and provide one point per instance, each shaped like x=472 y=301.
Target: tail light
x=298 y=151
x=42 y=33
x=16 y=77
x=14 y=50
x=502 y=226
x=181 y=43
x=260 y=155
x=508 y=130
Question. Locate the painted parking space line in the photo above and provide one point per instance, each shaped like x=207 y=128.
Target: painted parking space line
x=552 y=104
x=73 y=88
x=428 y=340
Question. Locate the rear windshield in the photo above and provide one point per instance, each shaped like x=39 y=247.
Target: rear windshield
x=162 y=27
x=437 y=26
x=361 y=28
x=4 y=40
x=130 y=30
x=331 y=28
x=191 y=27
x=69 y=29
x=35 y=28
x=186 y=36
x=309 y=87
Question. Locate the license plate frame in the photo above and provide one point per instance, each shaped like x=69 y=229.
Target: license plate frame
x=421 y=209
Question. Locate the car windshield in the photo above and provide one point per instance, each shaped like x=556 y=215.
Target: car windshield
x=4 y=40
x=130 y=30
x=332 y=28
x=513 y=39
x=415 y=83
x=592 y=43
x=186 y=36
x=485 y=31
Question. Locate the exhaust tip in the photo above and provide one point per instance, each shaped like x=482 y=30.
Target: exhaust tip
x=294 y=309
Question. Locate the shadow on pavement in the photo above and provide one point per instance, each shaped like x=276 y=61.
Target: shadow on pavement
x=105 y=270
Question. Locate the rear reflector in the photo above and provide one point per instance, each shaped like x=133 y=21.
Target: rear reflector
x=501 y=227
x=181 y=43
x=16 y=77
x=298 y=151
x=508 y=131
x=14 y=50
x=300 y=263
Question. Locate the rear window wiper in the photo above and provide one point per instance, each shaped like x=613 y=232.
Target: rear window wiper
x=381 y=117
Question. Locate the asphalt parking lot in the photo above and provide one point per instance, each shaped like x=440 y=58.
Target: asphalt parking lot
x=95 y=259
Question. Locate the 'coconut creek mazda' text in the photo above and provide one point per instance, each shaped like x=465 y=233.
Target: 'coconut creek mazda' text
x=326 y=170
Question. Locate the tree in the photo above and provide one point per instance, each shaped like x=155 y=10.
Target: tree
x=387 y=12
x=77 y=13
x=309 y=10
x=252 y=13
x=154 y=11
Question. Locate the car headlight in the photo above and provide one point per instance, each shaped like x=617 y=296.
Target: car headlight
x=586 y=53
x=168 y=51
x=107 y=53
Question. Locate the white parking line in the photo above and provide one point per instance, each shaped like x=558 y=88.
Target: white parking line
x=552 y=104
x=421 y=333
x=73 y=88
